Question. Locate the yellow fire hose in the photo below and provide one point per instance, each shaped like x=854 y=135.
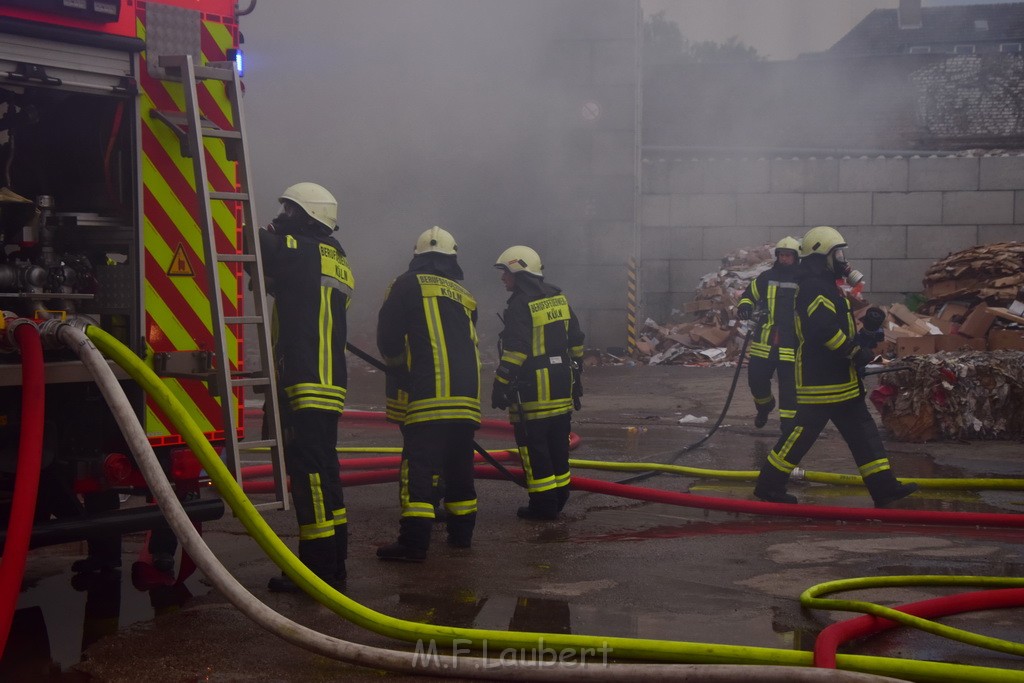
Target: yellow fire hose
x=619 y=647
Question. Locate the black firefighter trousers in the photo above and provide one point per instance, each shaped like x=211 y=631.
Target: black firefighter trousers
x=759 y=379
x=858 y=430
x=544 y=449
x=310 y=443
x=431 y=448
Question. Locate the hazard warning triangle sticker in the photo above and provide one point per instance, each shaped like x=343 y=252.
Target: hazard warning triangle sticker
x=180 y=265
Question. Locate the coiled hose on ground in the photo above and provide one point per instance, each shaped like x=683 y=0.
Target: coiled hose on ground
x=621 y=648
x=408 y=662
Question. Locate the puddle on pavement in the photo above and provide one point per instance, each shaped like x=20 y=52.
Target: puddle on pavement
x=466 y=609
x=59 y=615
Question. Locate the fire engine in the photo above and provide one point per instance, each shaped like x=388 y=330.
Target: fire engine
x=100 y=218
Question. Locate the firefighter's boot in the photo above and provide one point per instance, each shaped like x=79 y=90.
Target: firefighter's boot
x=563 y=496
x=319 y=556
x=761 y=419
x=771 y=486
x=413 y=541
x=543 y=506
x=886 y=489
x=460 y=530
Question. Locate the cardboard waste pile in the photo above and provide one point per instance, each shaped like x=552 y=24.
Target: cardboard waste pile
x=963 y=350
x=948 y=396
x=706 y=331
x=974 y=301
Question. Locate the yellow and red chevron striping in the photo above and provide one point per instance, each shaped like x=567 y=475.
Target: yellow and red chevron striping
x=177 y=312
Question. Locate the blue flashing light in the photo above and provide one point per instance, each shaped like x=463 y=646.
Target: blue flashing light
x=236 y=57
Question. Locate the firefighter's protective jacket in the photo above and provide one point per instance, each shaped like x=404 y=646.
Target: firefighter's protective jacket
x=426 y=331
x=312 y=286
x=539 y=344
x=774 y=292
x=825 y=369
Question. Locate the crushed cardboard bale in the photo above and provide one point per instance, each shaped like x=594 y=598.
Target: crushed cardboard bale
x=989 y=273
x=954 y=396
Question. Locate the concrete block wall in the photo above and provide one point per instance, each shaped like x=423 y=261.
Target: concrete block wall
x=898 y=214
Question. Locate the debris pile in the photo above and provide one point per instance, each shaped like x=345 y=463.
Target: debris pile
x=974 y=300
x=705 y=331
x=989 y=273
x=949 y=396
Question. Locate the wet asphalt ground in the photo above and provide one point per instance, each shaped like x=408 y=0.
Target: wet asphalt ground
x=607 y=567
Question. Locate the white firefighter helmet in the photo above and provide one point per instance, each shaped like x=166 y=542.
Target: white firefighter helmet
x=821 y=240
x=790 y=243
x=316 y=201
x=520 y=259
x=437 y=240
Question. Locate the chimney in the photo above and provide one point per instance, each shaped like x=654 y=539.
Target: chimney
x=909 y=14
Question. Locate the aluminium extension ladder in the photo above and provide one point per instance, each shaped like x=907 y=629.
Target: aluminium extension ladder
x=192 y=130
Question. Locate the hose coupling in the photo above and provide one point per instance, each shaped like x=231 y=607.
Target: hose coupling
x=797 y=474
x=11 y=323
x=49 y=330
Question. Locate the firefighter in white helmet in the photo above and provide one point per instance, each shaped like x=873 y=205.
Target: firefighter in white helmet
x=309 y=277
x=426 y=333
x=828 y=385
x=773 y=344
x=538 y=378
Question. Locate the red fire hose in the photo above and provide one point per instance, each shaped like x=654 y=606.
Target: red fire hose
x=26 y=484
x=833 y=636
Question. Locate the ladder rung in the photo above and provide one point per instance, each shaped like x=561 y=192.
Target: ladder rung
x=245 y=258
x=179 y=119
x=243 y=320
x=250 y=382
x=213 y=73
x=275 y=505
x=230 y=196
x=259 y=443
x=221 y=133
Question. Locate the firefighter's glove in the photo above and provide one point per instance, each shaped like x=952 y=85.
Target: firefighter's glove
x=744 y=311
x=862 y=358
x=500 y=395
x=867 y=339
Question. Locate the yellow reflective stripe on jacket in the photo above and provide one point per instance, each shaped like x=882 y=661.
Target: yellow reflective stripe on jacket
x=326 y=326
x=536 y=410
x=837 y=340
x=513 y=357
x=320 y=396
x=820 y=300
x=438 y=347
x=442 y=408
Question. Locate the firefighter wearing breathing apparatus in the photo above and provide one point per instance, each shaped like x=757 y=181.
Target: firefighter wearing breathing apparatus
x=828 y=385
x=426 y=333
x=538 y=378
x=773 y=344
x=309 y=277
